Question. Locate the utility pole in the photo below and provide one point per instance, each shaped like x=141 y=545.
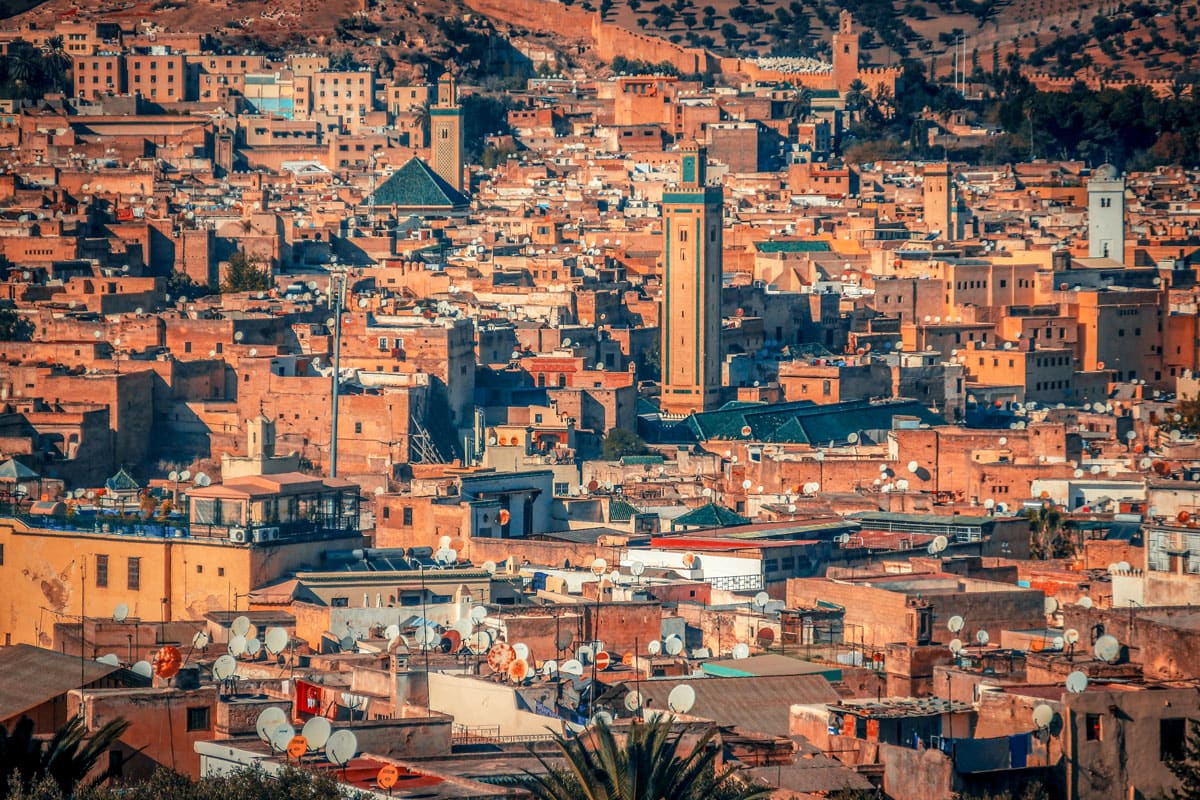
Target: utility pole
x=337 y=299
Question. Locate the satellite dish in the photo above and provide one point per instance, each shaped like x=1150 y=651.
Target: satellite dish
x=1058 y=642
x=392 y=631
x=521 y=650
x=481 y=641
x=955 y=645
x=1124 y=566
x=253 y=646
x=1043 y=715
x=223 y=668
x=1084 y=602
x=741 y=650
x=982 y=637
x=637 y=568
x=654 y=647
x=281 y=736
x=599 y=566
x=341 y=747
x=761 y=599
x=1107 y=648
x=237 y=646
x=427 y=637
x=1050 y=605
x=110 y=659
x=120 y=613
x=269 y=719
x=241 y=625
x=143 y=668
x=584 y=653
x=1077 y=682
x=317 y=731
x=572 y=667
x=200 y=640
x=478 y=614
x=633 y=701
x=518 y=670
x=939 y=543
x=489 y=567
x=955 y=624
x=549 y=668
x=444 y=543
x=1071 y=636
x=674 y=645
x=681 y=699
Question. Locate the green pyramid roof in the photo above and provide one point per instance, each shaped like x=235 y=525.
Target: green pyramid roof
x=620 y=511
x=122 y=482
x=709 y=515
x=13 y=470
x=416 y=185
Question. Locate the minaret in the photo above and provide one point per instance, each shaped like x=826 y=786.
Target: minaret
x=445 y=120
x=1106 y=214
x=939 y=201
x=845 y=52
x=691 y=319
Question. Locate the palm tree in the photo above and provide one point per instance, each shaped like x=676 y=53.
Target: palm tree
x=67 y=759
x=854 y=96
x=799 y=105
x=645 y=766
x=421 y=120
x=1047 y=539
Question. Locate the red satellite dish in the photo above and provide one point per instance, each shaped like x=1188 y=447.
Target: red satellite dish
x=603 y=660
x=500 y=656
x=504 y=516
x=167 y=662
x=452 y=641
x=765 y=636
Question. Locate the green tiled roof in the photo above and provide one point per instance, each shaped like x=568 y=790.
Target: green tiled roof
x=628 y=461
x=804 y=422
x=710 y=515
x=620 y=511
x=122 y=482
x=793 y=246
x=416 y=185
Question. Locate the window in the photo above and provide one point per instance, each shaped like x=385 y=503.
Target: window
x=1 y=555
x=339 y=602
x=358 y=427
x=101 y=571
x=197 y=719
x=406 y=517
x=220 y=572
x=1172 y=738
x=1091 y=727
x=135 y=574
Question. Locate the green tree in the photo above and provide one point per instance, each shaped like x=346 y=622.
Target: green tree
x=799 y=105
x=646 y=765
x=66 y=759
x=1187 y=769
x=14 y=327
x=181 y=286
x=246 y=275
x=649 y=366
x=1185 y=417
x=622 y=442
x=1047 y=537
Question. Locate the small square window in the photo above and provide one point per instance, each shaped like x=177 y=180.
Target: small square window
x=198 y=719
x=1092 y=728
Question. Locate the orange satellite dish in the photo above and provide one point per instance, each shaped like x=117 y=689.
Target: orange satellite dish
x=518 y=670
x=603 y=660
x=500 y=656
x=388 y=776
x=451 y=641
x=297 y=747
x=167 y=662
x=504 y=516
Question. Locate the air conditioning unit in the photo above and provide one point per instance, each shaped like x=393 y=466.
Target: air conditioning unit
x=237 y=535
x=269 y=534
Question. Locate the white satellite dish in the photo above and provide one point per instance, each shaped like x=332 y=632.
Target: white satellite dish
x=654 y=647
x=444 y=543
x=143 y=668
x=572 y=667
x=939 y=544
x=237 y=646
x=761 y=599
x=241 y=625
x=521 y=650
x=549 y=668
x=637 y=568
x=269 y=719
x=601 y=718
x=1077 y=682
x=1043 y=715
x=120 y=613
x=1107 y=648
x=1058 y=642
x=955 y=645
x=464 y=627
x=478 y=614
x=1070 y=636
x=200 y=640
x=427 y=637
x=316 y=732
x=599 y=566
x=341 y=747
x=1124 y=566
x=489 y=567
x=109 y=659
x=1050 y=605
x=681 y=699
x=253 y=646
x=741 y=650
x=393 y=630
x=633 y=701
x=1084 y=602
x=673 y=645
x=955 y=624
x=224 y=668
x=281 y=736
x=982 y=637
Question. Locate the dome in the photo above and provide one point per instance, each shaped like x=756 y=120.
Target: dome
x=1105 y=172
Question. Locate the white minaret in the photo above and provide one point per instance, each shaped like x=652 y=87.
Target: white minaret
x=1106 y=214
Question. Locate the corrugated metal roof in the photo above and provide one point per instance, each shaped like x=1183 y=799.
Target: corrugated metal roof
x=759 y=704
x=805 y=422
x=33 y=676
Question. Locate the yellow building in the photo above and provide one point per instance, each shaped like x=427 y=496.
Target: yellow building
x=57 y=569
